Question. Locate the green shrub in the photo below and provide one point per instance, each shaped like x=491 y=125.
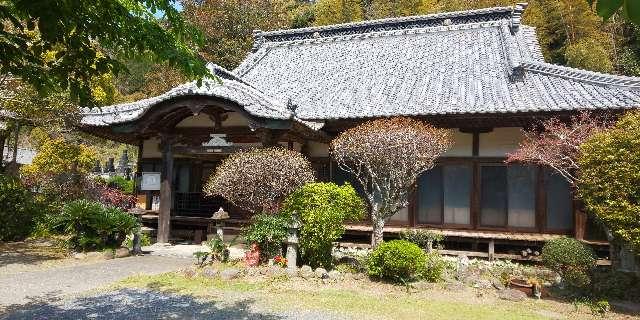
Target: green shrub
x=323 y=209
x=145 y=240
x=423 y=238
x=570 y=258
x=396 y=260
x=120 y=183
x=17 y=210
x=218 y=249
x=609 y=182
x=434 y=267
x=269 y=232
x=616 y=285
x=92 y=226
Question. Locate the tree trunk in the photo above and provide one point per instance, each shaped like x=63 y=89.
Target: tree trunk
x=378 y=229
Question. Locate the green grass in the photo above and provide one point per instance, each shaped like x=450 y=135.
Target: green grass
x=364 y=301
x=396 y=306
x=177 y=283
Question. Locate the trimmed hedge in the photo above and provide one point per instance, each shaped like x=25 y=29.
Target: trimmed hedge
x=396 y=260
x=570 y=258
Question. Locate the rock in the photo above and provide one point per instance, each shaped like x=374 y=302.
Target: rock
x=189 y=272
x=229 y=274
x=210 y=272
x=80 y=255
x=497 y=283
x=108 y=254
x=276 y=271
x=306 y=272
x=321 y=272
x=122 y=252
x=512 y=295
x=423 y=285
x=483 y=284
x=335 y=275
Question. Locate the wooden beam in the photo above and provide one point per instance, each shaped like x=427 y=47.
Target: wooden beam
x=166 y=191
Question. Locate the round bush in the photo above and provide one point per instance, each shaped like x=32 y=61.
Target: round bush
x=17 y=210
x=570 y=258
x=396 y=260
x=323 y=209
x=268 y=231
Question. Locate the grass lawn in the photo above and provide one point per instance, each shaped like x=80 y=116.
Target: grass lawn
x=362 y=299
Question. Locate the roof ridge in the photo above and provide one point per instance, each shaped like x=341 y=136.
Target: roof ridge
x=593 y=77
x=511 y=13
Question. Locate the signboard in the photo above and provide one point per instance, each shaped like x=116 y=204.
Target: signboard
x=150 y=181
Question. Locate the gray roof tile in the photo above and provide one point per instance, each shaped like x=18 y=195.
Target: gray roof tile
x=470 y=62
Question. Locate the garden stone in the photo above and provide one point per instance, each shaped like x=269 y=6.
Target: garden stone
x=512 y=295
x=483 y=284
x=497 y=284
x=423 y=285
x=306 y=272
x=122 y=252
x=189 y=272
x=321 y=272
x=229 y=274
x=276 y=271
x=335 y=274
x=108 y=254
x=80 y=255
x=210 y=272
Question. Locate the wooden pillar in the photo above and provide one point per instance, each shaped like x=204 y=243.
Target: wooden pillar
x=138 y=175
x=579 y=220
x=166 y=192
x=492 y=249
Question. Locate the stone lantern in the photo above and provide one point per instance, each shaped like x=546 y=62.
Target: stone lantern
x=292 y=241
x=219 y=217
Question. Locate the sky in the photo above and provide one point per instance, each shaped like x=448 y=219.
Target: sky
x=176 y=4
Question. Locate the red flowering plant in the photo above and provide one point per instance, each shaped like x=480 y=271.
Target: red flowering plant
x=99 y=191
x=280 y=261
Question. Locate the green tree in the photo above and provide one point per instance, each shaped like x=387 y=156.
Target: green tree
x=385 y=8
x=609 y=182
x=323 y=209
x=607 y=8
x=59 y=169
x=63 y=45
x=338 y=11
x=228 y=25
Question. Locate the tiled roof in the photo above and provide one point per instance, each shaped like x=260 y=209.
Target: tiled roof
x=469 y=62
x=458 y=67
x=227 y=86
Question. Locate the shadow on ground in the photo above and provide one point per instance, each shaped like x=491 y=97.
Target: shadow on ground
x=135 y=304
x=28 y=252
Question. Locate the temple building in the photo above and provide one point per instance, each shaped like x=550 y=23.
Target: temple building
x=480 y=73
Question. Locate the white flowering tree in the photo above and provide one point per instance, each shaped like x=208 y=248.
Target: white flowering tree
x=386 y=157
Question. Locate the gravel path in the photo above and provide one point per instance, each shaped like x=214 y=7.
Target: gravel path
x=54 y=283
x=146 y=304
